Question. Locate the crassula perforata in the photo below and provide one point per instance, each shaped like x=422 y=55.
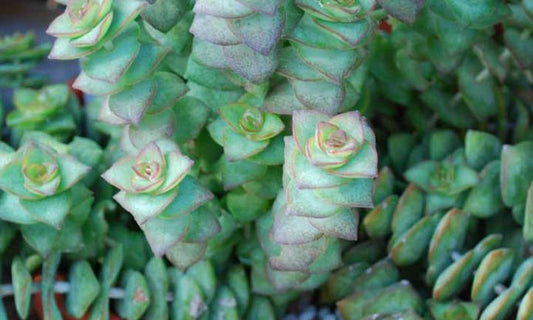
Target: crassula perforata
x=245 y=131
x=52 y=109
x=237 y=153
x=87 y=24
x=155 y=189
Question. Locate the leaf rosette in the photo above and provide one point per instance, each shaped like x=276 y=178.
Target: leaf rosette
x=51 y=109
x=167 y=204
x=329 y=161
x=86 y=25
x=157 y=169
x=38 y=182
x=246 y=132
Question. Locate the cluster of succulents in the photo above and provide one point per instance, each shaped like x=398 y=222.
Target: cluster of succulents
x=242 y=157
x=18 y=56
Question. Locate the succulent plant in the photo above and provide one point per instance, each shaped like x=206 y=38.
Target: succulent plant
x=330 y=162
x=43 y=192
x=18 y=56
x=86 y=26
x=238 y=35
x=155 y=189
x=199 y=292
x=52 y=109
x=326 y=29
x=191 y=126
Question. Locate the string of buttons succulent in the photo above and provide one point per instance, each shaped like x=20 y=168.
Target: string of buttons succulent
x=271 y=159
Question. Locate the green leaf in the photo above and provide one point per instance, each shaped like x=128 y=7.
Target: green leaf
x=322 y=96
x=342 y=225
x=516 y=172
x=319 y=60
x=493 y=269
x=145 y=206
x=191 y=195
x=454 y=310
x=245 y=207
x=306 y=175
x=84 y=288
x=162 y=233
x=378 y=221
x=356 y=193
x=299 y=199
x=238 y=173
x=22 y=287
x=396 y=298
x=194 y=114
x=49 y=269
x=123 y=13
x=482 y=96
x=456 y=276
x=238 y=283
x=481 y=148
x=238 y=147
x=131 y=103
x=273 y=153
x=484 y=200
x=12 y=181
x=260 y=308
x=11 y=210
x=136 y=296
x=204 y=225
x=442 y=143
x=414 y=242
x=282 y=100
x=183 y=254
x=7 y=233
x=170 y=88
x=519 y=47
x=250 y=64
x=481 y=14
x=108 y=275
x=224 y=305
x=158 y=284
x=109 y=64
x=189 y=302
x=164 y=14
x=403 y=10
x=449 y=236
x=50 y=210
x=258 y=31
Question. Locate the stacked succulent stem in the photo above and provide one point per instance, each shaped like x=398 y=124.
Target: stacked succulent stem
x=124 y=64
x=327 y=29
